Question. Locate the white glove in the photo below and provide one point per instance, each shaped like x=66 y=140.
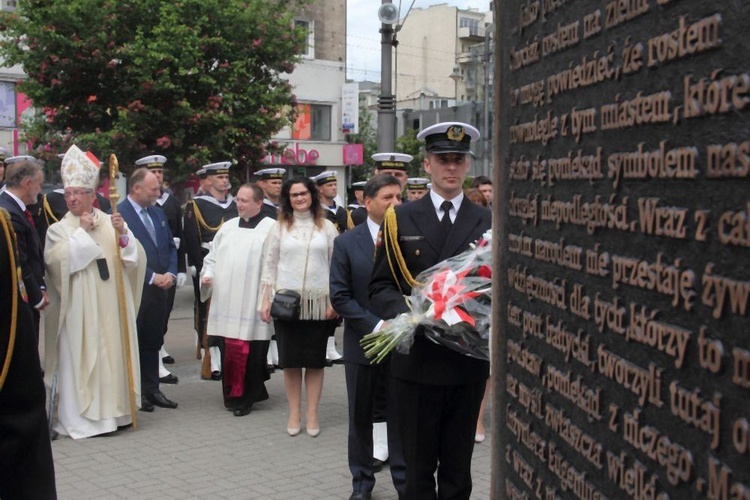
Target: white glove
x=181 y=279
x=176 y=242
x=191 y=270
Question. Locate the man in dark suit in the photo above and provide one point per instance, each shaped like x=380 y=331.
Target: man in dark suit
x=351 y=265
x=173 y=210
x=149 y=225
x=25 y=452
x=438 y=390
x=23 y=183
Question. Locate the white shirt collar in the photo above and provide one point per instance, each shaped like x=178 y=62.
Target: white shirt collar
x=136 y=206
x=438 y=200
x=374 y=228
x=17 y=199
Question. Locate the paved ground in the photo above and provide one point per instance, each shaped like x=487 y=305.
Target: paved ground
x=200 y=450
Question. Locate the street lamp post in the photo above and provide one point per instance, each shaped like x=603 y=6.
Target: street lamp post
x=456 y=76
x=388 y=15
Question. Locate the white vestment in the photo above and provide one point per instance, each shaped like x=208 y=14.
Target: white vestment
x=83 y=328
x=234 y=263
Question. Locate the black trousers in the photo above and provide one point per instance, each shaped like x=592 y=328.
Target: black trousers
x=150 y=325
x=437 y=425
x=367 y=387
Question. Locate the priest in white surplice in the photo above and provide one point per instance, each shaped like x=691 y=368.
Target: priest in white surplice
x=83 y=328
x=231 y=278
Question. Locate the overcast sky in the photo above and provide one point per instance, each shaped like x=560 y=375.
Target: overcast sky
x=363 y=37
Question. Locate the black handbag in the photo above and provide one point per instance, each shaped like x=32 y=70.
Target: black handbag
x=286 y=305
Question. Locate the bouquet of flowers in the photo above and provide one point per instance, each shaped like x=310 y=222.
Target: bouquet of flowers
x=450 y=305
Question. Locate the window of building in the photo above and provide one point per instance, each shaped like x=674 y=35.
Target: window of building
x=467 y=22
x=309 y=27
x=313 y=123
x=9 y=5
x=7 y=104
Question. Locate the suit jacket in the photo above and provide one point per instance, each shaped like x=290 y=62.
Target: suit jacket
x=161 y=257
x=351 y=266
x=30 y=250
x=420 y=236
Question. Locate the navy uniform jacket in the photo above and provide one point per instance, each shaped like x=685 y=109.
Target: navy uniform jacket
x=172 y=209
x=351 y=266
x=198 y=234
x=161 y=257
x=340 y=219
x=269 y=209
x=358 y=214
x=423 y=245
x=30 y=250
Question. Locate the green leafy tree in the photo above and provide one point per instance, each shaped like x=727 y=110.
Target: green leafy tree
x=409 y=144
x=368 y=137
x=195 y=80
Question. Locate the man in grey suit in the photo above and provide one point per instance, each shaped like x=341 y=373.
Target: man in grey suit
x=351 y=265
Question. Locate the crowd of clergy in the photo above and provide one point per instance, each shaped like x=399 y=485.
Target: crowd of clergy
x=97 y=280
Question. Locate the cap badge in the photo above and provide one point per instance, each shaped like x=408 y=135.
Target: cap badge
x=455 y=133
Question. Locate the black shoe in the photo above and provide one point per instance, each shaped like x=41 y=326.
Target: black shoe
x=169 y=379
x=377 y=465
x=339 y=361
x=159 y=399
x=146 y=405
x=241 y=412
x=123 y=427
x=271 y=368
x=361 y=495
x=167 y=360
x=53 y=435
x=215 y=375
x=329 y=363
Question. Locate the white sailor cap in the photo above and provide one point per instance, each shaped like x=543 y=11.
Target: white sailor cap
x=270 y=173
x=218 y=168
x=414 y=183
x=201 y=172
x=20 y=158
x=152 y=161
x=358 y=186
x=3 y=153
x=449 y=137
x=325 y=178
x=392 y=161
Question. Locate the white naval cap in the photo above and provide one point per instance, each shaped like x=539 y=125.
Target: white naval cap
x=20 y=158
x=270 y=173
x=152 y=161
x=218 y=168
x=358 y=186
x=324 y=178
x=414 y=183
x=392 y=161
x=449 y=137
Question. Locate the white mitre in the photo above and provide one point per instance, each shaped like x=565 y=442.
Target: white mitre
x=79 y=169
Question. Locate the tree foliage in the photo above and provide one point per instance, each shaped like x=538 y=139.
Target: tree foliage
x=368 y=137
x=409 y=144
x=195 y=80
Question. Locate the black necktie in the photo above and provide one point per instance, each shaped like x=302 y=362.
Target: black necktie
x=446 y=220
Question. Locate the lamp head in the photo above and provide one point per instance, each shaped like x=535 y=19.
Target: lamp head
x=388 y=13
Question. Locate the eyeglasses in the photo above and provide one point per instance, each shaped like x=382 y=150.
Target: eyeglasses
x=76 y=194
x=298 y=195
